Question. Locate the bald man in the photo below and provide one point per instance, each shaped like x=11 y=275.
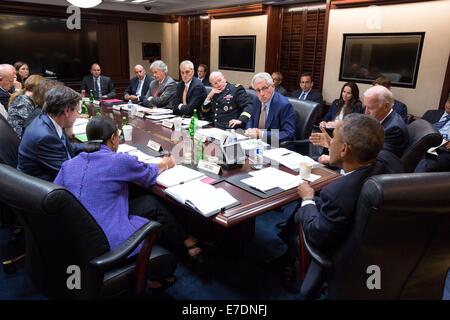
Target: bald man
x=7 y=78
x=139 y=85
x=101 y=86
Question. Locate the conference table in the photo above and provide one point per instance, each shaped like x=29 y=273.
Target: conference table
x=237 y=222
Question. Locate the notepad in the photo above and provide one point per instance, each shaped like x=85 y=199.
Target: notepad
x=177 y=175
x=289 y=158
x=202 y=197
x=271 y=178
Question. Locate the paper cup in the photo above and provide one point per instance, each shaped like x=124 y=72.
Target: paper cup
x=177 y=124
x=127 y=132
x=305 y=170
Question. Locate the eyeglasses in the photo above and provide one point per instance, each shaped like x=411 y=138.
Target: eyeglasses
x=262 y=89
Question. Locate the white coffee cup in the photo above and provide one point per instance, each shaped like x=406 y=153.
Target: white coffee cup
x=305 y=169
x=127 y=132
x=177 y=123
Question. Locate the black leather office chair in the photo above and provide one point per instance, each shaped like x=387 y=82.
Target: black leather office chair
x=306 y=113
x=401 y=226
x=60 y=233
x=422 y=136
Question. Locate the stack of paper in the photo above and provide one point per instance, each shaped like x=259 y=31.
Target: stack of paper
x=143 y=157
x=177 y=175
x=219 y=134
x=202 y=197
x=154 y=111
x=79 y=127
x=271 y=178
x=289 y=158
x=251 y=144
x=185 y=122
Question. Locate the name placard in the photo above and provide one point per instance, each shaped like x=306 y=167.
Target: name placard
x=140 y=114
x=154 y=145
x=208 y=166
x=199 y=137
x=167 y=124
x=116 y=107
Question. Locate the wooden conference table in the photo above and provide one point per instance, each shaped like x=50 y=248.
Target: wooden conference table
x=251 y=205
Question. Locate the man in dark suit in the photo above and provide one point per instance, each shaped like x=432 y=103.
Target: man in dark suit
x=7 y=78
x=378 y=103
x=163 y=90
x=101 y=86
x=441 y=122
x=397 y=106
x=306 y=91
x=44 y=145
x=190 y=91
x=272 y=115
x=202 y=74
x=327 y=219
x=138 y=86
x=277 y=80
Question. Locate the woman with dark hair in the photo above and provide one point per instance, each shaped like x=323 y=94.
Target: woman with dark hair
x=347 y=103
x=22 y=71
x=100 y=181
x=22 y=103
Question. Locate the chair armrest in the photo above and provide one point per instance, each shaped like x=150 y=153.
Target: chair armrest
x=316 y=255
x=112 y=258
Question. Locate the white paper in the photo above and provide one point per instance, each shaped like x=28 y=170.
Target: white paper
x=433 y=149
x=251 y=144
x=312 y=177
x=160 y=116
x=217 y=133
x=177 y=175
x=79 y=127
x=289 y=158
x=154 y=111
x=125 y=148
x=193 y=194
x=270 y=178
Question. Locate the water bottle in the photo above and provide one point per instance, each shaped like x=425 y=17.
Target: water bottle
x=232 y=138
x=199 y=150
x=193 y=124
x=130 y=105
x=258 y=158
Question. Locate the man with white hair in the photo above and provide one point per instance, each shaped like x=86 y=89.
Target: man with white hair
x=7 y=78
x=139 y=85
x=190 y=91
x=163 y=90
x=228 y=105
x=270 y=110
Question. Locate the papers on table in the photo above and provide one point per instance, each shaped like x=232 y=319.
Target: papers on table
x=433 y=149
x=154 y=111
x=79 y=127
x=271 y=178
x=143 y=157
x=289 y=158
x=177 y=175
x=125 y=107
x=251 y=144
x=219 y=134
x=159 y=116
x=202 y=197
x=185 y=122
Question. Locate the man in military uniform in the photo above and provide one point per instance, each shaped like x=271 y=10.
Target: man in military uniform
x=227 y=105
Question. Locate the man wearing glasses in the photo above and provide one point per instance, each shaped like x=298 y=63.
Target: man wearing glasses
x=270 y=111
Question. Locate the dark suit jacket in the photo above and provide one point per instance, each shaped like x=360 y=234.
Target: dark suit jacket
x=401 y=109
x=281 y=90
x=332 y=113
x=4 y=98
x=166 y=94
x=327 y=223
x=106 y=86
x=195 y=96
x=396 y=137
x=281 y=116
x=313 y=95
x=134 y=82
x=433 y=116
x=206 y=82
x=41 y=151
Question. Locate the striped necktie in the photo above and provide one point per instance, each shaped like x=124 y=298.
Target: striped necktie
x=439 y=125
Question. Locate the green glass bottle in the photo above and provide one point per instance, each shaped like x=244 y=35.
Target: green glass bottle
x=84 y=108
x=91 y=96
x=193 y=124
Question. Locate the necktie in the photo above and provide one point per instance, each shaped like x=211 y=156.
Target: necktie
x=186 y=88
x=97 y=88
x=302 y=96
x=262 y=117
x=64 y=142
x=439 y=125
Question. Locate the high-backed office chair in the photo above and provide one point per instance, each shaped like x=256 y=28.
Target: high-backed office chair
x=208 y=89
x=401 y=227
x=61 y=236
x=306 y=113
x=9 y=145
x=422 y=136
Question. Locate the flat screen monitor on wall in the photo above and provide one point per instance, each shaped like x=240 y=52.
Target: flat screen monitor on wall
x=46 y=44
x=237 y=53
x=393 y=55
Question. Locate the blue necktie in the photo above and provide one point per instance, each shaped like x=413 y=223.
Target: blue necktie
x=97 y=88
x=439 y=125
x=138 y=90
x=64 y=141
x=302 y=96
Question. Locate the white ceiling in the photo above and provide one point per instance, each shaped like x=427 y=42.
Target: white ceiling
x=167 y=6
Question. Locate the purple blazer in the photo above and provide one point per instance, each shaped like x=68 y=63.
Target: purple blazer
x=100 y=181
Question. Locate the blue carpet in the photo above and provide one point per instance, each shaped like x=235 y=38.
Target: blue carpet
x=232 y=279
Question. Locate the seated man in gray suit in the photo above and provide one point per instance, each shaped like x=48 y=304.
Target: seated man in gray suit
x=101 y=86
x=163 y=90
